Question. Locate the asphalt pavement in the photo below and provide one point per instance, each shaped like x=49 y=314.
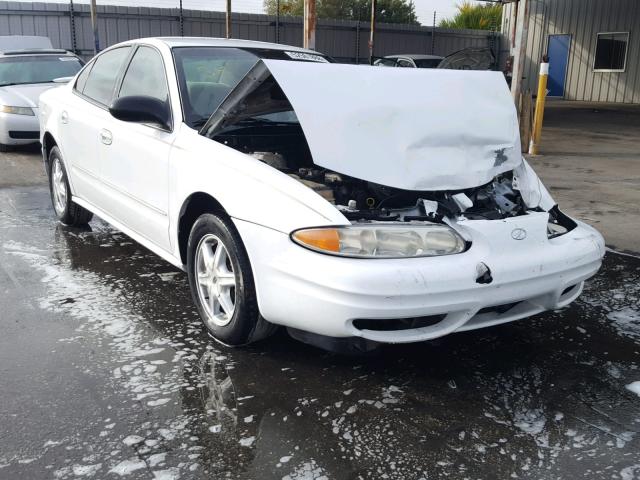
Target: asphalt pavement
x=591 y=164
x=106 y=372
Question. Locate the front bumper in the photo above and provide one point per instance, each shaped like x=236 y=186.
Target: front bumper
x=19 y=129
x=324 y=294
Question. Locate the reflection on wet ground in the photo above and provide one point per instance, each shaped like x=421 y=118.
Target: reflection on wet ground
x=106 y=372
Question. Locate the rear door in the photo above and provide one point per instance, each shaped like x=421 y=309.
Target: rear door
x=135 y=157
x=81 y=117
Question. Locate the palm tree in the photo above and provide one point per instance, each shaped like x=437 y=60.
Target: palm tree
x=477 y=17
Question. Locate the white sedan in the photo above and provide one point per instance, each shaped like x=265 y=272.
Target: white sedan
x=347 y=203
x=24 y=75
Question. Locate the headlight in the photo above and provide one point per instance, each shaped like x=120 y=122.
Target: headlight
x=381 y=240
x=16 y=110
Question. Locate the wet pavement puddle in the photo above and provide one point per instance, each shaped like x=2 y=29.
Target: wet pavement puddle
x=107 y=373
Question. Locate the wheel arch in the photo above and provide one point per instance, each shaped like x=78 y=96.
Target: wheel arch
x=195 y=205
x=48 y=142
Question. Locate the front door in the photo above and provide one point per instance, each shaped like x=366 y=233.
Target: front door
x=558 y=61
x=134 y=157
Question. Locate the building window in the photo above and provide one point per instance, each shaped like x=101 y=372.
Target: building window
x=611 y=52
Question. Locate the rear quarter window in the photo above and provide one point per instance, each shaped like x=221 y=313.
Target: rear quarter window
x=82 y=78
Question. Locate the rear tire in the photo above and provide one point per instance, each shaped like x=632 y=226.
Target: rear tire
x=222 y=284
x=68 y=212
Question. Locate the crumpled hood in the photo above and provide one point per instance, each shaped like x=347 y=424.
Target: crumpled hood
x=24 y=95
x=412 y=129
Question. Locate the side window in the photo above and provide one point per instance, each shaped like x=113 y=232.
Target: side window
x=82 y=78
x=611 y=52
x=404 y=63
x=102 y=78
x=145 y=76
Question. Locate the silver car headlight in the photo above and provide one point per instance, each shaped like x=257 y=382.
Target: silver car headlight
x=382 y=240
x=16 y=110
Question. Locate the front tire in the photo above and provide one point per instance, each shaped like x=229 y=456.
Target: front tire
x=68 y=212
x=222 y=284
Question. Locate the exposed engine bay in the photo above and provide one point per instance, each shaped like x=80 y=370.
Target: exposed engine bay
x=361 y=200
x=282 y=145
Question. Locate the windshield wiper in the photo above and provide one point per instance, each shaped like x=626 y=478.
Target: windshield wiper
x=277 y=122
x=245 y=122
x=260 y=121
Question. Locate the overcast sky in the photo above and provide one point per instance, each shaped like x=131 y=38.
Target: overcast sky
x=424 y=8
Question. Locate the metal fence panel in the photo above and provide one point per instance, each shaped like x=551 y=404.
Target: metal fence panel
x=343 y=40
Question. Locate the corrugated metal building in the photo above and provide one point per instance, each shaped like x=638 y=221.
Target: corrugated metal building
x=593 y=47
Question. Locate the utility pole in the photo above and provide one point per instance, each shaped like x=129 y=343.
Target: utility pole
x=372 y=33
x=277 y=21
x=309 y=34
x=94 y=25
x=433 y=34
x=358 y=41
x=522 y=31
x=228 y=19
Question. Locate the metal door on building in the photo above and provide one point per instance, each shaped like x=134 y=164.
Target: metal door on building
x=558 y=60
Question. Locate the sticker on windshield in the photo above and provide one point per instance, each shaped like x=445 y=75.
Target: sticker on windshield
x=310 y=57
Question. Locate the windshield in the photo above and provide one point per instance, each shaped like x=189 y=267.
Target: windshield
x=36 y=69
x=206 y=75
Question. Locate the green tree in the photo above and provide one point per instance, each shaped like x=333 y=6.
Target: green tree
x=478 y=17
x=388 y=11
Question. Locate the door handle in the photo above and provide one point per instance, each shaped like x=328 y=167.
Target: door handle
x=64 y=117
x=106 y=137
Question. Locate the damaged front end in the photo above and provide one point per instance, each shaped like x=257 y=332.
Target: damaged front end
x=434 y=174
x=267 y=117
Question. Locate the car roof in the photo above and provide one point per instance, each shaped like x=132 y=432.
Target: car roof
x=218 y=42
x=416 y=56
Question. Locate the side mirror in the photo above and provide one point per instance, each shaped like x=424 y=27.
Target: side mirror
x=142 y=109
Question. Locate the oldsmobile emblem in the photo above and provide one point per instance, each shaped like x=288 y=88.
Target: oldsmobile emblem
x=519 y=234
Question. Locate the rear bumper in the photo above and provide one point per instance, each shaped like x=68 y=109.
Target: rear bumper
x=325 y=294
x=13 y=129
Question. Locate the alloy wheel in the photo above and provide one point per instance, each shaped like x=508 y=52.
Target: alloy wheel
x=59 y=187
x=216 y=280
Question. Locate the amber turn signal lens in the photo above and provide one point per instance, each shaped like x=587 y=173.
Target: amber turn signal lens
x=319 y=239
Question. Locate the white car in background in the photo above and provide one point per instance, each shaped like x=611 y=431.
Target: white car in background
x=411 y=60
x=28 y=67
x=298 y=192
